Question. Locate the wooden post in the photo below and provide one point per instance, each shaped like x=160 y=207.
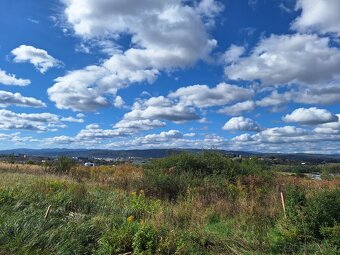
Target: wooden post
x=47 y=211
x=283 y=203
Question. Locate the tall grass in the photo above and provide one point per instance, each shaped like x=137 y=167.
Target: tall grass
x=183 y=204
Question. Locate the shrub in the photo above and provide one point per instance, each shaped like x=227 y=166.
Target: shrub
x=145 y=241
x=207 y=164
x=323 y=211
x=118 y=240
x=171 y=177
x=311 y=220
x=63 y=165
x=166 y=186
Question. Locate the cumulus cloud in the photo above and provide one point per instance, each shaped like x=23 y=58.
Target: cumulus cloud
x=94 y=132
x=29 y=121
x=275 y=99
x=327 y=94
x=286 y=59
x=241 y=124
x=119 y=102
x=37 y=57
x=72 y=119
x=74 y=90
x=161 y=108
x=163 y=137
x=310 y=116
x=8 y=98
x=171 y=139
x=139 y=124
x=202 y=96
x=33 y=121
x=283 y=134
x=17 y=138
x=233 y=54
x=243 y=138
x=159 y=41
x=321 y=16
x=329 y=128
x=209 y=8
x=10 y=79
x=238 y=108
x=290 y=139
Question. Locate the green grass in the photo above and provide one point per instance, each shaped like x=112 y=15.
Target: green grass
x=169 y=207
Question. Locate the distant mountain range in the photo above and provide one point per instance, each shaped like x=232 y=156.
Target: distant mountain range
x=158 y=153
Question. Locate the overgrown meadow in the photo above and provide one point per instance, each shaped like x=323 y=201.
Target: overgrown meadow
x=202 y=203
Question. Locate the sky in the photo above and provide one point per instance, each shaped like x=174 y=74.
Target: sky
x=251 y=75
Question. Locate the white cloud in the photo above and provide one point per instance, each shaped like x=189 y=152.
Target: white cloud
x=190 y=135
x=139 y=124
x=8 y=98
x=202 y=96
x=94 y=132
x=329 y=128
x=310 y=116
x=30 y=121
x=326 y=94
x=238 y=108
x=17 y=139
x=72 y=119
x=209 y=8
x=289 y=139
x=119 y=102
x=279 y=135
x=243 y=138
x=37 y=57
x=33 y=121
x=161 y=108
x=275 y=99
x=233 y=54
x=74 y=90
x=159 y=41
x=321 y=16
x=286 y=59
x=171 y=139
x=241 y=123
x=10 y=79
x=286 y=131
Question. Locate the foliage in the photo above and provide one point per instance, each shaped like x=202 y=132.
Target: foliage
x=63 y=165
x=184 y=204
x=145 y=241
x=310 y=220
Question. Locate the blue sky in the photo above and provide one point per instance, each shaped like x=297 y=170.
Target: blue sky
x=251 y=75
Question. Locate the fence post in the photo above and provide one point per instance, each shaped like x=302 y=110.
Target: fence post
x=47 y=211
x=283 y=202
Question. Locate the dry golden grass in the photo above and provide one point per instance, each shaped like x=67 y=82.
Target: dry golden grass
x=22 y=168
x=124 y=176
x=309 y=184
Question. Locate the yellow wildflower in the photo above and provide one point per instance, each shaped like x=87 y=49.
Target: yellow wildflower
x=131 y=218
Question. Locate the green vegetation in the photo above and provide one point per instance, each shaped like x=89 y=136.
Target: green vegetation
x=183 y=204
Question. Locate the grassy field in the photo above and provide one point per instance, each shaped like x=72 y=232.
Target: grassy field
x=183 y=204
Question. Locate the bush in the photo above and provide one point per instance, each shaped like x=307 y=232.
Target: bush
x=166 y=186
x=172 y=176
x=312 y=220
x=63 y=165
x=145 y=241
x=118 y=241
x=207 y=164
